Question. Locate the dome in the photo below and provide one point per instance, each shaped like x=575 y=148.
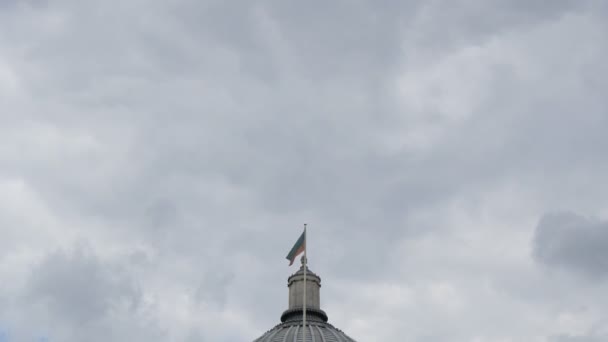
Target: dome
x=293 y=331
x=291 y=327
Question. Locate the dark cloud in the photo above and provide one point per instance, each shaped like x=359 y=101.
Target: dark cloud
x=187 y=142
x=572 y=242
x=78 y=287
x=77 y=295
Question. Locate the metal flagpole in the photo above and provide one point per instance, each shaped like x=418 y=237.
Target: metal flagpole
x=305 y=284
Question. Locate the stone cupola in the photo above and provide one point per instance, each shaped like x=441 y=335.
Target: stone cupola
x=291 y=327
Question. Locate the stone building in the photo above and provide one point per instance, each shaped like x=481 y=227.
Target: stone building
x=317 y=327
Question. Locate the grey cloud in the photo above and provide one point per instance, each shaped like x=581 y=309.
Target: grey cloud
x=79 y=287
x=214 y=287
x=205 y=133
x=378 y=185
x=580 y=338
x=572 y=242
x=322 y=157
x=160 y=215
x=76 y=295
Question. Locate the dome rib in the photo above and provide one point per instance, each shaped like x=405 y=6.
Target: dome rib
x=312 y=333
x=295 y=334
x=320 y=334
x=286 y=334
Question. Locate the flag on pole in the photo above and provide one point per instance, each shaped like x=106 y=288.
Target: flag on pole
x=297 y=249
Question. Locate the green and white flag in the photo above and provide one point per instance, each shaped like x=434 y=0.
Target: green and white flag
x=297 y=249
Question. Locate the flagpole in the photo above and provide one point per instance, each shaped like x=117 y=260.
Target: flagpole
x=305 y=284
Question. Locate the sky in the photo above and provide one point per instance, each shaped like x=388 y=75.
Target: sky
x=158 y=160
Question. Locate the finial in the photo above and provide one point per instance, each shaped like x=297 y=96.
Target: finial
x=304 y=261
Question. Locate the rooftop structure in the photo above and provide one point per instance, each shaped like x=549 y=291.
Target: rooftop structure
x=317 y=327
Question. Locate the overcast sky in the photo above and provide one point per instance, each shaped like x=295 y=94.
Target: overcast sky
x=159 y=158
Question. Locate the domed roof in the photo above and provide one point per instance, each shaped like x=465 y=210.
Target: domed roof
x=291 y=327
x=316 y=332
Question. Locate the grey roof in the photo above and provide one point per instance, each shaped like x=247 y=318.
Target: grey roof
x=318 y=330
x=293 y=332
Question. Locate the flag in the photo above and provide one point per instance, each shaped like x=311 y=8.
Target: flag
x=297 y=249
